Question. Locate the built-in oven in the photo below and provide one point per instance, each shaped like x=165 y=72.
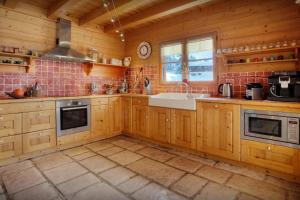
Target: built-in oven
x=72 y=116
x=271 y=126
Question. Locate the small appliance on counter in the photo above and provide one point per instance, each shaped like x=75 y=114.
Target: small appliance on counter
x=147 y=85
x=226 y=90
x=123 y=87
x=284 y=86
x=254 y=91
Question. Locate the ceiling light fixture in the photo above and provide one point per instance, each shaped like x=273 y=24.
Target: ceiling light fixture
x=110 y=7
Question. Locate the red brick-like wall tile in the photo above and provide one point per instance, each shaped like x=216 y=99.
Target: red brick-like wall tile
x=56 y=78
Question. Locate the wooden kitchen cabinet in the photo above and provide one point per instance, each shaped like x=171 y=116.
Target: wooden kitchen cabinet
x=39 y=140
x=139 y=119
x=160 y=124
x=40 y=120
x=274 y=157
x=10 y=124
x=218 y=129
x=99 y=121
x=127 y=108
x=115 y=112
x=183 y=128
x=10 y=146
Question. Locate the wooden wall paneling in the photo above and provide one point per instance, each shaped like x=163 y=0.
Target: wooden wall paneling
x=236 y=23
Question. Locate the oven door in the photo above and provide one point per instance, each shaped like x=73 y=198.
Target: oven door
x=266 y=126
x=73 y=119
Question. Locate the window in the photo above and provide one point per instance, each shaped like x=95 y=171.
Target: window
x=190 y=59
x=171 y=56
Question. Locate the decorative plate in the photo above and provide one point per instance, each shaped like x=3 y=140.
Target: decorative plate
x=144 y=50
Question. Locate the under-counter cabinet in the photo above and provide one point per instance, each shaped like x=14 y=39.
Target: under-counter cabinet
x=218 y=129
x=160 y=124
x=10 y=124
x=274 y=157
x=183 y=128
x=10 y=146
x=115 y=112
x=127 y=115
x=140 y=114
x=99 y=110
x=39 y=140
x=39 y=120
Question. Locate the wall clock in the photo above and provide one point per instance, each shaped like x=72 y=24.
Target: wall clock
x=144 y=50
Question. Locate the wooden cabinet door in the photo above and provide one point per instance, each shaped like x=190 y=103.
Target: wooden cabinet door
x=10 y=146
x=183 y=128
x=10 y=124
x=159 y=124
x=127 y=108
x=115 y=111
x=219 y=129
x=39 y=140
x=269 y=156
x=40 y=120
x=140 y=120
x=99 y=121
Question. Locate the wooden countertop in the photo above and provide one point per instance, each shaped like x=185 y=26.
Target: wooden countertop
x=295 y=105
x=32 y=99
x=251 y=102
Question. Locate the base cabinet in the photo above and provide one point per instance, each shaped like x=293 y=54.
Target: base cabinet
x=39 y=120
x=99 y=121
x=39 y=140
x=274 y=157
x=127 y=108
x=10 y=124
x=140 y=120
x=160 y=124
x=218 y=129
x=115 y=113
x=10 y=146
x=183 y=128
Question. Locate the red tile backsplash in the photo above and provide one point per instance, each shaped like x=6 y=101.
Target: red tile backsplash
x=59 y=78
x=56 y=78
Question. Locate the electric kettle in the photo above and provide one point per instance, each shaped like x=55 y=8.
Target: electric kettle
x=226 y=90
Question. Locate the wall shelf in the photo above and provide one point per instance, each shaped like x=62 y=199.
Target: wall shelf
x=262 y=51
x=104 y=70
x=9 y=67
x=264 y=62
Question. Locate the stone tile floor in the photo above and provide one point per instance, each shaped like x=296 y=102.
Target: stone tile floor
x=126 y=168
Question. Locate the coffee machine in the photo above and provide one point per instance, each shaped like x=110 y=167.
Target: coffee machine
x=284 y=86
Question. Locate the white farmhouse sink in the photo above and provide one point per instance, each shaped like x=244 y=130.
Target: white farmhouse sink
x=176 y=100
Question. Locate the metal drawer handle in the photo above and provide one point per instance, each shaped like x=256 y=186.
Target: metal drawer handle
x=269 y=148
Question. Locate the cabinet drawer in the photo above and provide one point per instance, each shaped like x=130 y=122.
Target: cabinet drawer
x=41 y=120
x=73 y=138
x=140 y=101
x=10 y=124
x=26 y=107
x=269 y=156
x=10 y=146
x=39 y=140
x=99 y=101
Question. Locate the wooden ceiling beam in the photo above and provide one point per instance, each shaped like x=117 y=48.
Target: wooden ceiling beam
x=59 y=7
x=10 y=3
x=155 y=12
x=101 y=16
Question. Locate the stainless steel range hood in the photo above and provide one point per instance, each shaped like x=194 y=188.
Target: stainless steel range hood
x=63 y=51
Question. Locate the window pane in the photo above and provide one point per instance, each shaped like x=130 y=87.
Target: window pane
x=172 y=71
x=200 y=59
x=171 y=53
x=200 y=48
x=201 y=70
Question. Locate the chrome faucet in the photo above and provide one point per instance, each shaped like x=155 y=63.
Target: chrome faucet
x=187 y=87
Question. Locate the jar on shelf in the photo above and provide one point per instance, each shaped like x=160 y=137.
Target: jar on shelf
x=93 y=54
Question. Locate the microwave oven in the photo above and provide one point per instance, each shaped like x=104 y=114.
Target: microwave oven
x=271 y=127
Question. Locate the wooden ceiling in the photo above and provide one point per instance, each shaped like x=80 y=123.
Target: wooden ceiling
x=132 y=13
